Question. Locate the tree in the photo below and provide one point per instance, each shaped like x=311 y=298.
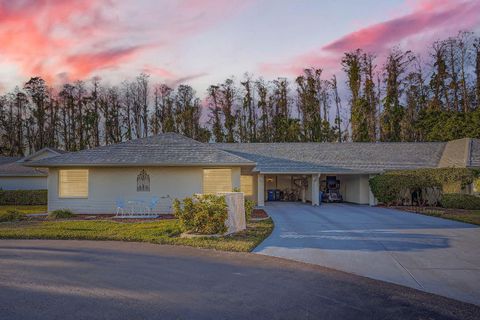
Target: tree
x=37 y=90
x=228 y=96
x=391 y=118
x=309 y=86
x=249 y=110
x=338 y=106
x=352 y=65
x=215 y=113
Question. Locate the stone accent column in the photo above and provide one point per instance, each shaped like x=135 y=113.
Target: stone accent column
x=261 y=190
x=315 y=189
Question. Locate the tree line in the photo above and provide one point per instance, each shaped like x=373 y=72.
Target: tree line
x=405 y=98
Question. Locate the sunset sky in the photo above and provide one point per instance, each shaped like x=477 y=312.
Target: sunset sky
x=201 y=42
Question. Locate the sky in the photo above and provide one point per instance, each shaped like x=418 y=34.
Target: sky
x=202 y=42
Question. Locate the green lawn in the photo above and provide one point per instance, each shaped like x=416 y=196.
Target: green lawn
x=24 y=209
x=468 y=216
x=159 y=231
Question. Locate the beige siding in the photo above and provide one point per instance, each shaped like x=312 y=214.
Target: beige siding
x=106 y=185
x=23 y=183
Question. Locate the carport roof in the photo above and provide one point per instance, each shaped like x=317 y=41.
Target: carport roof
x=337 y=157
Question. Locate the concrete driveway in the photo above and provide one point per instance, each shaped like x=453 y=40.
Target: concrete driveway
x=421 y=252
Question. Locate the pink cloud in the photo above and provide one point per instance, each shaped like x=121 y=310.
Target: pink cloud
x=83 y=65
x=29 y=32
x=68 y=40
x=428 y=21
x=158 y=71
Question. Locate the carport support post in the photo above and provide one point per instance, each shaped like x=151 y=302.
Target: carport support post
x=372 y=201
x=260 y=190
x=315 y=189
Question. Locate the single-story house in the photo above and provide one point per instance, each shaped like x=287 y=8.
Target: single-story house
x=172 y=166
x=15 y=176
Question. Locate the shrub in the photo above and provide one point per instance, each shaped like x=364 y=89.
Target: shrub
x=60 y=214
x=23 y=197
x=11 y=216
x=476 y=185
x=395 y=187
x=460 y=201
x=203 y=214
x=249 y=205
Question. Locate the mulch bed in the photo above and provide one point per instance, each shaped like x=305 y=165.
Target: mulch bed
x=259 y=214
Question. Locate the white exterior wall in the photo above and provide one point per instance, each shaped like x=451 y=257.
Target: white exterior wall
x=23 y=183
x=355 y=188
x=106 y=185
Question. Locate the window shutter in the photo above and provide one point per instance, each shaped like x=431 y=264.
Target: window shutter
x=217 y=180
x=246 y=185
x=73 y=183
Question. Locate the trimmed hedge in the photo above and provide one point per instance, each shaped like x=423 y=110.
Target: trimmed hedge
x=23 y=197
x=394 y=186
x=460 y=201
x=202 y=214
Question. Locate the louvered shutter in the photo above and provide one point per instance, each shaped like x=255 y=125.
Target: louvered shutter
x=73 y=183
x=217 y=180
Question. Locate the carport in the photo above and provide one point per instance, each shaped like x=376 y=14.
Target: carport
x=306 y=187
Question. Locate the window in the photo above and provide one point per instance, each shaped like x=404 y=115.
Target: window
x=246 y=185
x=143 y=181
x=217 y=180
x=73 y=183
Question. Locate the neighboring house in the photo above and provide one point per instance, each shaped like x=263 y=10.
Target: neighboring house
x=15 y=176
x=172 y=166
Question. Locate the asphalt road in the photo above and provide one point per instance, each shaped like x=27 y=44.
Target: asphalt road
x=41 y=279
x=426 y=253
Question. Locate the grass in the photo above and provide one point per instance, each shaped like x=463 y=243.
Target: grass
x=159 y=231
x=468 y=216
x=24 y=209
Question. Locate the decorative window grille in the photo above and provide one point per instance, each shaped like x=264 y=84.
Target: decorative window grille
x=143 y=181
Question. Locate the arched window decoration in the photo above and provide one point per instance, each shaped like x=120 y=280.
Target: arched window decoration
x=143 y=181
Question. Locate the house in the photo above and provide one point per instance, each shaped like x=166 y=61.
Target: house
x=15 y=176
x=172 y=166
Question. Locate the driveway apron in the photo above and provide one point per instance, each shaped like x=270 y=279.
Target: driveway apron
x=426 y=253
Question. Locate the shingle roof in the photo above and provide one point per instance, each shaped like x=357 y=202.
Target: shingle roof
x=168 y=149
x=456 y=154
x=4 y=160
x=16 y=169
x=475 y=153
x=337 y=157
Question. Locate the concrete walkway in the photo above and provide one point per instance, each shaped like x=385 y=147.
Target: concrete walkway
x=421 y=252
